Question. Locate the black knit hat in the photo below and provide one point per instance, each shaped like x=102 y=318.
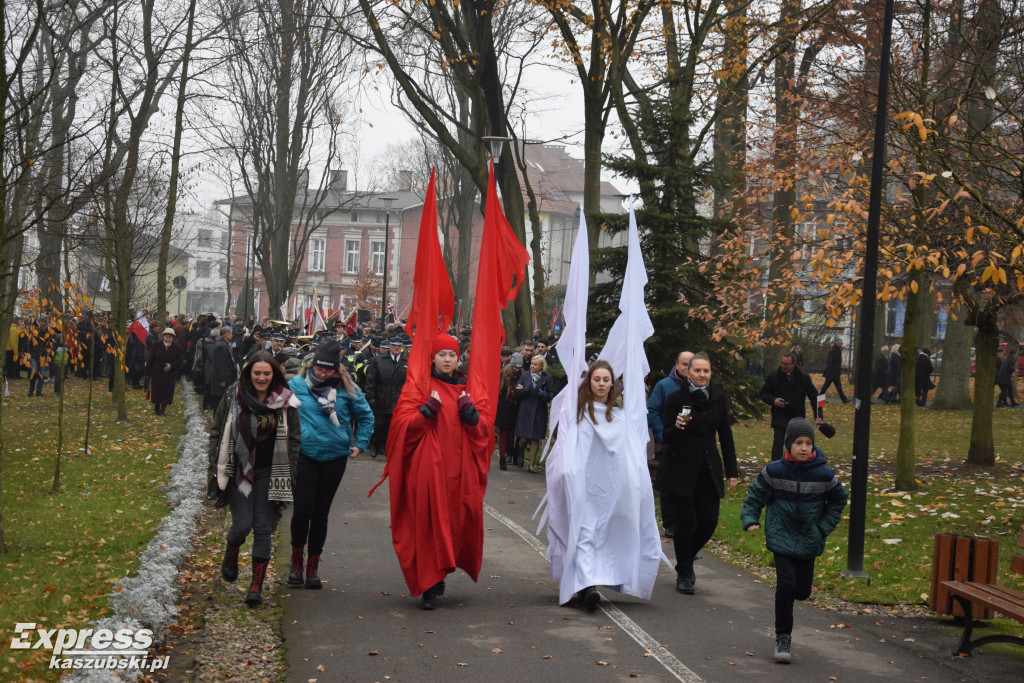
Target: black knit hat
x=328 y=355
x=796 y=428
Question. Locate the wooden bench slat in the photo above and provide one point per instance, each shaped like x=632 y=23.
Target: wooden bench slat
x=1017 y=564
x=1006 y=601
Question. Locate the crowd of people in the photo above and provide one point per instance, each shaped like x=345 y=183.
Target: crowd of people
x=288 y=411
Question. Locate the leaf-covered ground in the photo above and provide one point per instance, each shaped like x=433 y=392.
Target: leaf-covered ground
x=66 y=550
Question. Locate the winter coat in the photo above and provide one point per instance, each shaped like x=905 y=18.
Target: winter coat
x=216 y=432
x=1005 y=368
x=656 y=403
x=793 y=388
x=881 y=370
x=220 y=367
x=923 y=373
x=834 y=366
x=892 y=377
x=162 y=382
x=13 y=339
x=686 y=450
x=385 y=378
x=532 y=421
x=805 y=502
x=508 y=407
x=321 y=440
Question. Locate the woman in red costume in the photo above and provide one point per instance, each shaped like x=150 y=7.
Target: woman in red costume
x=438 y=478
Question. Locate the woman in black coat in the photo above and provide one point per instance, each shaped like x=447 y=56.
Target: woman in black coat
x=508 y=410
x=165 y=358
x=690 y=473
x=923 y=377
x=534 y=391
x=892 y=376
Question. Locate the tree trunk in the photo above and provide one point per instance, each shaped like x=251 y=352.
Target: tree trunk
x=905 y=450
x=172 y=187
x=953 y=392
x=986 y=343
x=730 y=148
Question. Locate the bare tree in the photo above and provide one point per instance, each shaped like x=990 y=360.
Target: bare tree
x=457 y=69
x=282 y=82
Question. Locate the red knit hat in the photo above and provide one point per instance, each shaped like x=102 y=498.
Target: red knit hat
x=444 y=341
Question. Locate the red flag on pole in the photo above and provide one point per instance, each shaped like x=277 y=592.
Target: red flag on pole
x=502 y=269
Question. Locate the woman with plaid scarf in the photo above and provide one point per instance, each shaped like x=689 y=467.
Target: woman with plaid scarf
x=254 y=451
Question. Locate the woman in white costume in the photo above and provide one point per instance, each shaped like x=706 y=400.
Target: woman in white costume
x=610 y=532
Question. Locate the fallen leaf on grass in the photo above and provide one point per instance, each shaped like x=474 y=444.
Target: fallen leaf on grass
x=373 y=653
x=496 y=650
x=600 y=662
x=461 y=664
x=546 y=657
x=320 y=667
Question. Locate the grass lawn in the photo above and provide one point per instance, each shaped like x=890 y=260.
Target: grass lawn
x=65 y=550
x=951 y=497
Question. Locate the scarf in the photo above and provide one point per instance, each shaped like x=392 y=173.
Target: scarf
x=703 y=391
x=535 y=376
x=250 y=421
x=325 y=391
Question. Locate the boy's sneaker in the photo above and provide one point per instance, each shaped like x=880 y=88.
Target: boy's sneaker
x=782 y=646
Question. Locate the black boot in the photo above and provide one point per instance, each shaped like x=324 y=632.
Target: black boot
x=255 y=595
x=685 y=577
x=312 y=580
x=591 y=598
x=229 y=567
x=429 y=599
x=295 y=575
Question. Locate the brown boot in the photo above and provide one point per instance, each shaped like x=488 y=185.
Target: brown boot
x=312 y=580
x=255 y=595
x=295 y=575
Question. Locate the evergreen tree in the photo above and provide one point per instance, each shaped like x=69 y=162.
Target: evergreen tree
x=672 y=237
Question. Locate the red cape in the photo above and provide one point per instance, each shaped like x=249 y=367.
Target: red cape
x=437 y=476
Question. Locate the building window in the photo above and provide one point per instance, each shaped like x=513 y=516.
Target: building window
x=203 y=268
x=351 y=256
x=205 y=239
x=355 y=216
x=317 y=250
x=377 y=258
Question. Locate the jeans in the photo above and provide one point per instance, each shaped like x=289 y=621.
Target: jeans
x=35 y=378
x=795 y=576
x=316 y=483
x=253 y=513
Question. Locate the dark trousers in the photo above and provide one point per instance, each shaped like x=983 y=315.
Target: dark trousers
x=1006 y=394
x=315 y=485
x=381 y=426
x=253 y=513
x=779 y=442
x=11 y=369
x=795 y=575
x=506 y=438
x=838 y=385
x=696 y=520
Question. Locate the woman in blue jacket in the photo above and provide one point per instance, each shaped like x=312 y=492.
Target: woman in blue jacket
x=330 y=403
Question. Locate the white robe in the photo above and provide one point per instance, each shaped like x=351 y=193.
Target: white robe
x=601 y=527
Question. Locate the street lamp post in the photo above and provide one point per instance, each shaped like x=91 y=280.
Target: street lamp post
x=862 y=414
x=387 y=201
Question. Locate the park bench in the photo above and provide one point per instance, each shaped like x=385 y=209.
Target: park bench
x=973 y=596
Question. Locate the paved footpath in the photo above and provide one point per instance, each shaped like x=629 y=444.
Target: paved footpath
x=364 y=626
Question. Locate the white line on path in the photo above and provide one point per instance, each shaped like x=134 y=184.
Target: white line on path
x=646 y=641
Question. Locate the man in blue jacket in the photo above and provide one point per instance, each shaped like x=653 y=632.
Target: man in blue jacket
x=655 y=406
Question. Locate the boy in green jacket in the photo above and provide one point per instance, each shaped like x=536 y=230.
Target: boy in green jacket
x=805 y=503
